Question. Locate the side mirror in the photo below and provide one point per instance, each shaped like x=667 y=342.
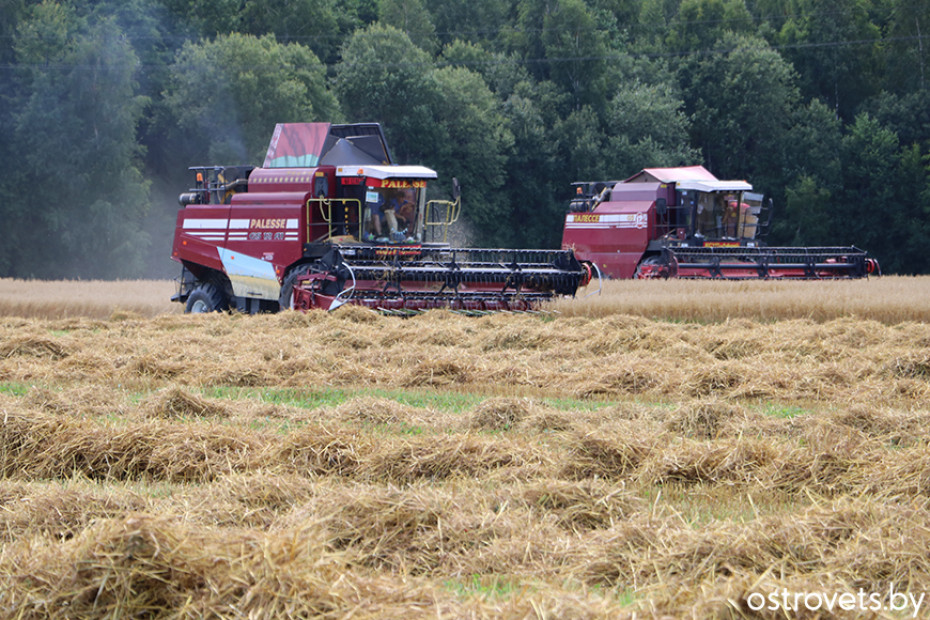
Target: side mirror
x=456 y=189
x=661 y=206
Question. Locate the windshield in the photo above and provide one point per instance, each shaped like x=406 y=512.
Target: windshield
x=393 y=215
x=727 y=215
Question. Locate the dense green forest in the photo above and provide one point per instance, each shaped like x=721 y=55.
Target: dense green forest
x=821 y=104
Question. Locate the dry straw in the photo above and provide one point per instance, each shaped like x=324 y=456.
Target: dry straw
x=86 y=298
x=888 y=299
x=590 y=466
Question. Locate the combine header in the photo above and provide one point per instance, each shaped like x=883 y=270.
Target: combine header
x=686 y=223
x=330 y=219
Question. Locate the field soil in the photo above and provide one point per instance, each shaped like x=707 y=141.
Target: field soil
x=594 y=463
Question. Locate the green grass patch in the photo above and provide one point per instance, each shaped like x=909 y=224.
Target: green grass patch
x=455 y=402
x=784 y=411
x=574 y=404
x=400 y=428
x=14 y=389
x=626 y=597
x=448 y=401
x=488 y=587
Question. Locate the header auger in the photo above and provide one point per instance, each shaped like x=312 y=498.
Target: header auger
x=686 y=223
x=330 y=219
x=467 y=280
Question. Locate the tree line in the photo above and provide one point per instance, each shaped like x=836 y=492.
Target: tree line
x=822 y=104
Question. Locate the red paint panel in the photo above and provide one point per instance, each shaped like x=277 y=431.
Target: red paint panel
x=614 y=236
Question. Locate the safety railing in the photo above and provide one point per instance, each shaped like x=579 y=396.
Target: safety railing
x=441 y=221
x=673 y=220
x=337 y=214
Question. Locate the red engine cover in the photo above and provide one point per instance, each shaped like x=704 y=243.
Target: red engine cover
x=614 y=236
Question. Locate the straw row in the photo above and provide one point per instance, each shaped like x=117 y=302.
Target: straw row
x=416 y=541
x=794 y=361
x=585 y=467
x=705 y=442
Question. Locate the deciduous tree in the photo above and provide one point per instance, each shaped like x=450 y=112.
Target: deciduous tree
x=227 y=94
x=76 y=159
x=740 y=102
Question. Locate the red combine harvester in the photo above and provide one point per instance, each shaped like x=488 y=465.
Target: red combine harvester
x=686 y=223
x=330 y=219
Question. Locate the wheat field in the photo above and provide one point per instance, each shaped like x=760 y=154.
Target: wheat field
x=613 y=457
x=890 y=299
x=55 y=299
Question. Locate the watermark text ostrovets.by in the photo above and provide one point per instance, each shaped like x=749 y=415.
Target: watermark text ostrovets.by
x=785 y=600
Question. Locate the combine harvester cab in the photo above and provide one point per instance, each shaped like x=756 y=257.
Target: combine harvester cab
x=329 y=219
x=686 y=223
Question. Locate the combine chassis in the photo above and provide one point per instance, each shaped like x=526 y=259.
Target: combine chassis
x=330 y=219
x=686 y=223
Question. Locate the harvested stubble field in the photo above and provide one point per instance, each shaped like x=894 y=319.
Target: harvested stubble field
x=589 y=464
